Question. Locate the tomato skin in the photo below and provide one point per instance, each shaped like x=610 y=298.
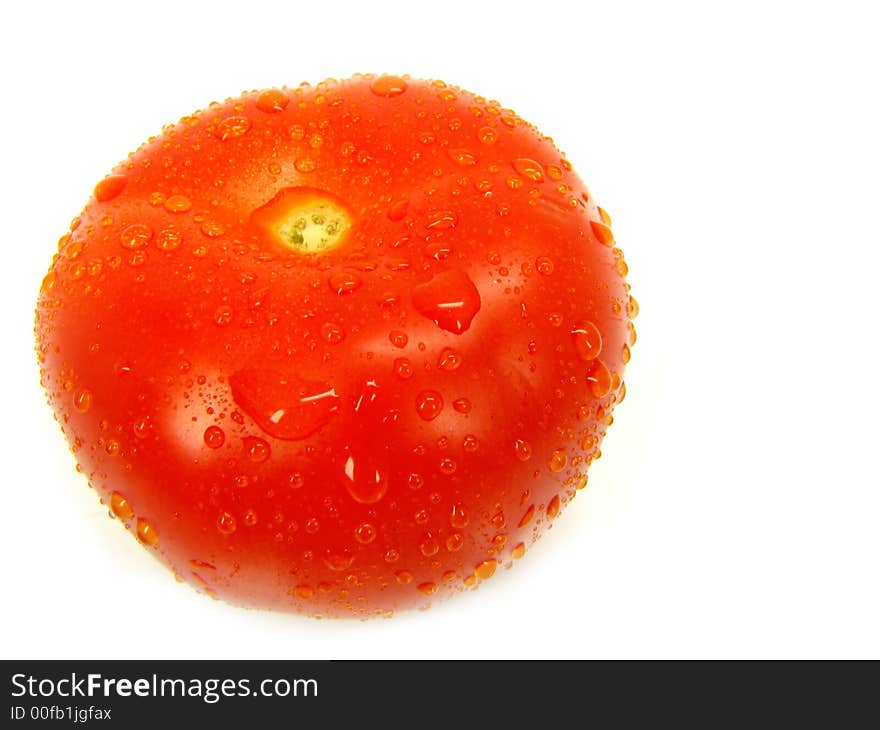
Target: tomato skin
x=358 y=430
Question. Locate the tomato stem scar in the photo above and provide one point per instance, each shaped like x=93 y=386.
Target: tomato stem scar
x=306 y=220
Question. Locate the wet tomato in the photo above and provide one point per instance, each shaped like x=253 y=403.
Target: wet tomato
x=338 y=349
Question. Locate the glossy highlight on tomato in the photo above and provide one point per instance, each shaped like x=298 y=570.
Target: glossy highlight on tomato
x=340 y=349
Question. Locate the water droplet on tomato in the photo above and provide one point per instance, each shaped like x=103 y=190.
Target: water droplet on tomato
x=211 y=229
x=120 y=507
x=553 y=507
x=365 y=533
x=486 y=569
x=463 y=157
x=602 y=233
x=141 y=427
x=462 y=405
x=587 y=340
x=305 y=164
x=397 y=211
x=109 y=187
x=147 y=533
x=388 y=86
x=429 y=403
x=428 y=588
x=178 y=204
x=344 y=282
x=558 y=461
x=403 y=368
x=338 y=559
x=522 y=449
x=398 y=338
x=529 y=169
x=454 y=542
x=168 y=239
x=449 y=359
x=450 y=299
x=82 y=400
x=632 y=307
x=599 y=379
x=527 y=516
x=403 y=576
x=365 y=478
x=137 y=235
x=441 y=219
x=487 y=135
x=470 y=443
x=226 y=523
x=544 y=265
x=437 y=250
x=223 y=315
x=429 y=545
x=272 y=100
x=448 y=466
x=284 y=406
x=232 y=127
x=257 y=449
x=518 y=551
x=458 y=517
x=303 y=592
x=332 y=333
x=214 y=437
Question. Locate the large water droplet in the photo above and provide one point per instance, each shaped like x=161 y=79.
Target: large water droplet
x=486 y=569
x=587 y=340
x=449 y=359
x=527 y=516
x=110 y=187
x=137 y=235
x=338 y=559
x=82 y=400
x=450 y=299
x=214 y=437
x=398 y=338
x=232 y=127
x=226 y=523
x=462 y=156
x=602 y=233
x=121 y=506
x=458 y=517
x=365 y=478
x=558 y=460
x=284 y=406
x=529 y=169
x=272 y=100
x=257 y=449
x=429 y=403
x=388 y=86
x=599 y=379
x=147 y=533
x=178 y=204
x=523 y=450
x=365 y=533
x=344 y=282
x=428 y=588
x=403 y=368
x=553 y=507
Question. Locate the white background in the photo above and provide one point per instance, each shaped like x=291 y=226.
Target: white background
x=735 y=511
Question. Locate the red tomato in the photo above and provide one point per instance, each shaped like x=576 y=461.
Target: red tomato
x=338 y=349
